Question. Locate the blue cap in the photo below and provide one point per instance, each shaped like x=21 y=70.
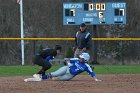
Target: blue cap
x=82 y=25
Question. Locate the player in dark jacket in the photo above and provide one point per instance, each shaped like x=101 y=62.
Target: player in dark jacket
x=43 y=57
x=83 y=41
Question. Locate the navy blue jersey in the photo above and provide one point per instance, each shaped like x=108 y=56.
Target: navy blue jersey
x=47 y=54
x=78 y=67
x=83 y=40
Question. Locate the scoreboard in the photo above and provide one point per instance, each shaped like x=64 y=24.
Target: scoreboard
x=92 y=13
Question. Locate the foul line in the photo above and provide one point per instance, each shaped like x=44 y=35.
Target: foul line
x=69 y=39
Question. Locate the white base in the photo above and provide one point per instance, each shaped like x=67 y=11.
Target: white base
x=32 y=79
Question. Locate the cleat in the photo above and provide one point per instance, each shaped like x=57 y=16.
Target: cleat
x=37 y=76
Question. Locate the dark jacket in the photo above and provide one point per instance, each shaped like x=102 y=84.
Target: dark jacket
x=47 y=53
x=83 y=39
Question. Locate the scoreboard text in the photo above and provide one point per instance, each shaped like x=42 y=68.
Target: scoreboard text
x=94 y=13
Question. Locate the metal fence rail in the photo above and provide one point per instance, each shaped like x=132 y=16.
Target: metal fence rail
x=62 y=39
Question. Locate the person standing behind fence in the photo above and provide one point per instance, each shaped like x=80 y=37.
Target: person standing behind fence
x=83 y=40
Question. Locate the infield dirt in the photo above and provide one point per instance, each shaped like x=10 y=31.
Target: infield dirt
x=80 y=84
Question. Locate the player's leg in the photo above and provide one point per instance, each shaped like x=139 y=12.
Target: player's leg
x=43 y=69
x=46 y=67
x=67 y=76
x=61 y=71
x=38 y=60
x=77 y=53
x=44 y=64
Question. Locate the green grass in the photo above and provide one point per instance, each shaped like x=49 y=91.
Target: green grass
x=99 y=69
x=117 y=69
x=21 y=70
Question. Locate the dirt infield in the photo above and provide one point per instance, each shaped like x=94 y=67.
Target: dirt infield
x=80 y=84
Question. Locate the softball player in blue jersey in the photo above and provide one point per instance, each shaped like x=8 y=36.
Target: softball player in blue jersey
x=75 y=67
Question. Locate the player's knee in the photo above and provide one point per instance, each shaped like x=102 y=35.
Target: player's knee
x=48 y=66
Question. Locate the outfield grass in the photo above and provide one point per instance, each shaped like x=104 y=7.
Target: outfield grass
x=99 y=69
x=117 y=69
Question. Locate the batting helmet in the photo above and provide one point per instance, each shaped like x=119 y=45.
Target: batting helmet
x=85 y=56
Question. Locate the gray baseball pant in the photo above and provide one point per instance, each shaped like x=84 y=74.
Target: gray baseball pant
x=62 y=74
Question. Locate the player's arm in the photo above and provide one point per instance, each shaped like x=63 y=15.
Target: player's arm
x=49 y=58
x=89 y=41
x=70 y=61
x=90 y=71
